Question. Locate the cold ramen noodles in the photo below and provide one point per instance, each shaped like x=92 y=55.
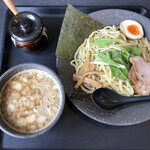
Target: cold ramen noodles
x=30 y=101
x=109 y=59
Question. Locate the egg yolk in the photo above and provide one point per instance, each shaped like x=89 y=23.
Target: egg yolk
x=133 y=29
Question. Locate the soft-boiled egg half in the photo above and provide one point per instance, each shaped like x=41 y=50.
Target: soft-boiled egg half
x=132 y=29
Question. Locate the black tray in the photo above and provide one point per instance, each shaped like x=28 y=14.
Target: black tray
x=52 y=18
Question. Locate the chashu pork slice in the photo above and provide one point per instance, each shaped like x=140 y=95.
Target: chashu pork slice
x=142 y=68
x=137 y=76
x=141 y=88
x=132 y=75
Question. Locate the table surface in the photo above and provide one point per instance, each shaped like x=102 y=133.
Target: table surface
x=74 y=130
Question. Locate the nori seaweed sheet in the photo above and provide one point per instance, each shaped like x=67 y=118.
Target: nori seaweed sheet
x=75 y=28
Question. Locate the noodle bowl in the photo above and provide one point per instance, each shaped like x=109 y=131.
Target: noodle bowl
x=106 y=79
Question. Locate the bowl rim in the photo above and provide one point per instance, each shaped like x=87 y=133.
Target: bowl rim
x=25 y=66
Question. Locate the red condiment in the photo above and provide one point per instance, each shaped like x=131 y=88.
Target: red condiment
x=133 y=29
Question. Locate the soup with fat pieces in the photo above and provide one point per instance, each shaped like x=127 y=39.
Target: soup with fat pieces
x=30 y=100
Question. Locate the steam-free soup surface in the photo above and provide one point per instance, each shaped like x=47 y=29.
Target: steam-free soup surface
x=30 y=100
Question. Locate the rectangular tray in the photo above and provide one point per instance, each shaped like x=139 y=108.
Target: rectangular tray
x=52 y=18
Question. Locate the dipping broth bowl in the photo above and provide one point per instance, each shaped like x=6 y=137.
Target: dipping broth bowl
x=8 y=75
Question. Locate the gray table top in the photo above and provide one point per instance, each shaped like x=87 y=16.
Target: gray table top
x=84 y=135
